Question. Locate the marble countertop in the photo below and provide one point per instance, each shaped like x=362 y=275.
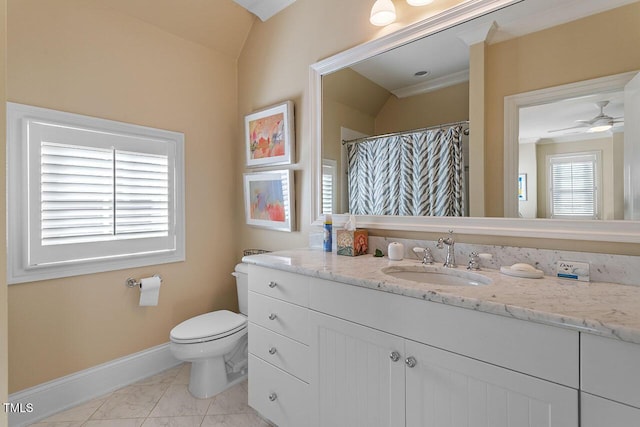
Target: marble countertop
x=605 y=309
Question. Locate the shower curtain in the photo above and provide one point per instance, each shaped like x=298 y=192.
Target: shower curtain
x=419 y=173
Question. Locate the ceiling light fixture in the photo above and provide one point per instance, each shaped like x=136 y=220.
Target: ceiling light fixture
x=419 y=2
x=383 y=13
x=601 y=128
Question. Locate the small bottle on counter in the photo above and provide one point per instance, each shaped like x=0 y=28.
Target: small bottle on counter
x=328 y=225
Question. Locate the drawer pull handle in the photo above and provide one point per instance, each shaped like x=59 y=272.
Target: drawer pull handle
x=394 y=356
x=411 y=361
x=272 y=284
x=273 y=397
x=272 y=316
x=273 y=350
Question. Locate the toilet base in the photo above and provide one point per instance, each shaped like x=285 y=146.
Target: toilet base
x=211 y=376
x=208 y=377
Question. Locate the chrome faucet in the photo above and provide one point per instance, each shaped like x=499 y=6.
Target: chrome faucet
x=450 y=260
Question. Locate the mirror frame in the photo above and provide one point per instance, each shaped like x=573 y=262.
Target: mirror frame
x=594 y=230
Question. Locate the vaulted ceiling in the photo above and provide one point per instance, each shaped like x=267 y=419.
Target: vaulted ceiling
x=221 y=25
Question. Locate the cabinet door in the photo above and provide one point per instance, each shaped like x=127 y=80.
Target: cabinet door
x=355 y=381
x=448 y=390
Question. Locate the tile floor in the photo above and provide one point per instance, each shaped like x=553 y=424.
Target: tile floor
x=161 y=400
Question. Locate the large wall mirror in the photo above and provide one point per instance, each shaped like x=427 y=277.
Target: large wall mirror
x=542 y=95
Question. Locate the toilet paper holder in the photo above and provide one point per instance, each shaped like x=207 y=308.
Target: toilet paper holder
x=133 y=283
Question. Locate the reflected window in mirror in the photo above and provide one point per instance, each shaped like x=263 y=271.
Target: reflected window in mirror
x=573 y=185
x=329 y=180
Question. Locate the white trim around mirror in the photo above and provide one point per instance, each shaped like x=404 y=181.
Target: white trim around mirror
x=610 y=231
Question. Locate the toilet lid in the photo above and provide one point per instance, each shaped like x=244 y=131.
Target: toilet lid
x=208 y=326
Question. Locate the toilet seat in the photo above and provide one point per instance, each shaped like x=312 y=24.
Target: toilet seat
x=208 y=327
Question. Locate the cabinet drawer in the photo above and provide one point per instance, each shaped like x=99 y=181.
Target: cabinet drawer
x=285 y=353
x=286 y=286
x=599 y=412
x=277 y=395
x=279 y=316
x=611 y=369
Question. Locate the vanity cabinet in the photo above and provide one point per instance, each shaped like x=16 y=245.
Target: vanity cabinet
x=358 y=375
x=352 y=356
x=610 y=382
x=365 y=377
x=278 y=346
x=444 y=389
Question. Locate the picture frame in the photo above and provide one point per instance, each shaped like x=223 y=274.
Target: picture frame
x=269 y=136
x=269 y=199
x=522 y=187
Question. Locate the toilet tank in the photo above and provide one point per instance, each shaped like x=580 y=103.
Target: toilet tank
x=242 y=285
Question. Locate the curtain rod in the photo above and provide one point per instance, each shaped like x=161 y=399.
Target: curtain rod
x=404 y=132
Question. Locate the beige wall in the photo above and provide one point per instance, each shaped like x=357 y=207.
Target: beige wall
x=4 y=327
x=71 y=56
x=564 y=54
x=447 y=105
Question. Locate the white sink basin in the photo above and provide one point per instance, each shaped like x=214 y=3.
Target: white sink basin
x=437 y=275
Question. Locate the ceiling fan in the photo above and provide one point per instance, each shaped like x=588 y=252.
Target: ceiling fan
x=599 y=123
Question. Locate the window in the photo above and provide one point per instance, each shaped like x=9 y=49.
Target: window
x=573 y=185
x=89 y=195
x=329 y=177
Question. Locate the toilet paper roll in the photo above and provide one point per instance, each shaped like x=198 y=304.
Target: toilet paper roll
x=150 y=290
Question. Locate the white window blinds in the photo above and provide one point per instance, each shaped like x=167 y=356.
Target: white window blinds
x=91 y=195
x=142 y=195
x=328 y=183
x=573 y=186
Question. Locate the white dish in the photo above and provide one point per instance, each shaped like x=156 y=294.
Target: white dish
x=534 y=274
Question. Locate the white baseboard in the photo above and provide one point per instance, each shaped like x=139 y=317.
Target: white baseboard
x=63 y=393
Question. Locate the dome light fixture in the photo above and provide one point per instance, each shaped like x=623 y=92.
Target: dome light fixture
x=419 y=2
x=600 y=128
x=383 y=13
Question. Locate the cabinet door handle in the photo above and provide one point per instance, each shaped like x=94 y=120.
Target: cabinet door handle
x=273 y=350
x=272 y=316
x=272 y=284
x=394 y=356
x=273 y=397
x=411 y=361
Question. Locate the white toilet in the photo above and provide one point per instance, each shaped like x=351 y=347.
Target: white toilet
x=216 y=344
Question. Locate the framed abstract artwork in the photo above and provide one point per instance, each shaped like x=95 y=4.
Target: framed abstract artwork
x=268 y=199
x=269 y=136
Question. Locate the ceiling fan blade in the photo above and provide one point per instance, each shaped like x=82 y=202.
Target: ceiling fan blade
x=563 y=129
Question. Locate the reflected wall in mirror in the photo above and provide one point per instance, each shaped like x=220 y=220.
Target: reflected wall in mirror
x=524 y=47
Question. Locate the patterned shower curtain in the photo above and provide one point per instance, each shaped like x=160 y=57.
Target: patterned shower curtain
x=419 y=174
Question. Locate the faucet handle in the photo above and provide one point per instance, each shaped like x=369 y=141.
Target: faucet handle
x=474 y=260
x=428 y=257
x=425 y=254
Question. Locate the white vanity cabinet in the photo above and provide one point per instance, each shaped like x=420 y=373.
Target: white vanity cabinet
x=365 y=377
x=357 y=375
x=278 y=346
x=610 y=382
x=361 y=357
x=444 y=389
